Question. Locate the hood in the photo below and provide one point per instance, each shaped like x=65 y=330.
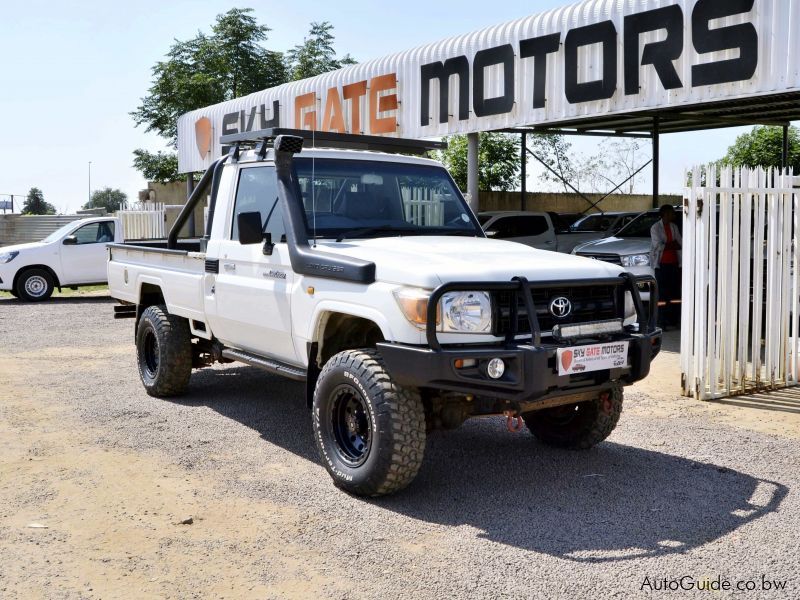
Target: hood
x=21 y=247
x=428 y=262
x=615 y=245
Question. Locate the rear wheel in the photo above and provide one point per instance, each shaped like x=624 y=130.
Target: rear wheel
x=370 y=432
x=577 y=426
x=35 y=285
x=164 y=352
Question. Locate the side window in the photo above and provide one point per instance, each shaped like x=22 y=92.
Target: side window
x=503 y=228
x=95 y=233
x=258 y=192
x=533 y=225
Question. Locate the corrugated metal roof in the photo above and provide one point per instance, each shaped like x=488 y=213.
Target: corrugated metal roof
x=776 y=78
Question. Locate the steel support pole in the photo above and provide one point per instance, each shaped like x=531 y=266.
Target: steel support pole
x=189 y=190
x=523 y=157
x=473 y=147
x=656 y=159
x=785 y=153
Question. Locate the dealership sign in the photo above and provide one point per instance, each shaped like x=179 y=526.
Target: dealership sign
x=591 y=59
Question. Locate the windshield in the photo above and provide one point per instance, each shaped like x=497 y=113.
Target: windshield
x=61 y=232
x=594 y=223
x=640 y=226
x=365 y=199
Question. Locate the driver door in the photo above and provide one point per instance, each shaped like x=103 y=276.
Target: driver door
x=84 y=261
x=253 y=290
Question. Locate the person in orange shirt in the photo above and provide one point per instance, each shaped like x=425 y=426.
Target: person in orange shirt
x=665 y=256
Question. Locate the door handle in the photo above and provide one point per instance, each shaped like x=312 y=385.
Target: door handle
x=229 y=266
x=549 y=242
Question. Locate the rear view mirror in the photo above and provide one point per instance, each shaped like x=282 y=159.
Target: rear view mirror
x=70 y=240
x=250 y=228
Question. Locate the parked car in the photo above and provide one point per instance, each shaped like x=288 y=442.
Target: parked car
x=605 y=224
x=543 y=230
x=630 y=247
x=72 y=256
x=399 y=314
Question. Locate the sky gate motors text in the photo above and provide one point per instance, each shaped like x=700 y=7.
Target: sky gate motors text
x=661 y=55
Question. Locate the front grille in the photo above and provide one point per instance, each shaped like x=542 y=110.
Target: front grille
x=589 y=303
x=615 y=259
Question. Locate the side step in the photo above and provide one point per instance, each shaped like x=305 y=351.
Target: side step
x=268 y=364
x=125 y=311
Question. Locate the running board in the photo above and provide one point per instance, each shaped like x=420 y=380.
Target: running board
x=273 y=366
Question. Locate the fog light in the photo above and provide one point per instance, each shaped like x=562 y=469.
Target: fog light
x=496 y=368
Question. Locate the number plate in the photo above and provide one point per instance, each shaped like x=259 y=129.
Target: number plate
x=597 y=357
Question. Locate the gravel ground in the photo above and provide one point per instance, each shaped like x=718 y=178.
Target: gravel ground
x=111 y=472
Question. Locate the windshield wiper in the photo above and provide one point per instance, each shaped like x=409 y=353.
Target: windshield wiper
x=354 y=233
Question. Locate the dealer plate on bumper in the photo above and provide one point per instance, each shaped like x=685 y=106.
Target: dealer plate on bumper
x=597 y=357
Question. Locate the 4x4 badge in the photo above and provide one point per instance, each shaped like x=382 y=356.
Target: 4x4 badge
x=560 y=307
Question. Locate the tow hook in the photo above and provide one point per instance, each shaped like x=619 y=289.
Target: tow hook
x=513 y=421
x=605 y=402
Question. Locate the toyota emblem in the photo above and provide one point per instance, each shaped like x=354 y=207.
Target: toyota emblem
x=560 y=307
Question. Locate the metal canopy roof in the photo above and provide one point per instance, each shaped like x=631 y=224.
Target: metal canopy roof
x=774 y=109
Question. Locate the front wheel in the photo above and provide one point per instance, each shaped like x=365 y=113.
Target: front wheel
x=577 y=426
x=35 y=285
x=369 y=431
x=164 y=352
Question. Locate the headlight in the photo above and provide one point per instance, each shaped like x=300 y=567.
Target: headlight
x=7 y=257
x=467 y=312
x=458 y=312
x=636 y=260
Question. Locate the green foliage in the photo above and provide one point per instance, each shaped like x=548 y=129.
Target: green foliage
x=228 y=63
x=316 y=54
x=35 y=204
x=111 y=200
x=160 y=167
x=498 y=161
x=763 y=147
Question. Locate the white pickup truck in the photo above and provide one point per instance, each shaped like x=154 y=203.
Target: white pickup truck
x=72 y=256
x=366 y=275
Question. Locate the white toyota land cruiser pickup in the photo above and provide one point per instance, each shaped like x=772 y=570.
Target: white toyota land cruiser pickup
x=366 y=275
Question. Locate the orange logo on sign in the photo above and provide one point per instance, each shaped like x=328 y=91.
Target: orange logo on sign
x=202 y=135
x=566 y=359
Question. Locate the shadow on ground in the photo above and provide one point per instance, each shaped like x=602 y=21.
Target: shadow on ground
x=615 y=502
x=11 y=302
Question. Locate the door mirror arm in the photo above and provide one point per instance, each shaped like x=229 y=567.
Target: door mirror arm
x=268 y=245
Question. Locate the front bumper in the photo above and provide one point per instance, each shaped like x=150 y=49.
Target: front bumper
x=531 y=373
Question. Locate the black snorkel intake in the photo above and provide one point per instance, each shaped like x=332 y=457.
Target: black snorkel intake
x=305 y=259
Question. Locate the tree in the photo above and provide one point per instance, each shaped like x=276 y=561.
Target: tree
x=208 y=69
x=35 y=204
x=556 y=152
x=763 y=147
x=316 y=54
x=111 y=200
x=161 y=167
x=498 y=161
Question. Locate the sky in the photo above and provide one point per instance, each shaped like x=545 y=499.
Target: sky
x=73 y=71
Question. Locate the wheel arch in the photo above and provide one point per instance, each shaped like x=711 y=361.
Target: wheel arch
x=335 y=331
x=53 y=274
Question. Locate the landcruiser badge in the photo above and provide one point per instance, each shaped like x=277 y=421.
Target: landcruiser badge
x=560 y=307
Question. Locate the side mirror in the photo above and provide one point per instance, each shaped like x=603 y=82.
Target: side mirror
x=70 y=240
x=250 y=228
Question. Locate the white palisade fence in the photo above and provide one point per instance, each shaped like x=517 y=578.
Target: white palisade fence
x=144 y=221
x=740 y=328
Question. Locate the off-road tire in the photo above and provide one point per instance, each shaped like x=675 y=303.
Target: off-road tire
x=393 y=418
x=163 y=352
x=577 y=426
x=35 y=285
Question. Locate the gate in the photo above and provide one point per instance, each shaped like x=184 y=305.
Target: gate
x=739 y=331
x=145 y=221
